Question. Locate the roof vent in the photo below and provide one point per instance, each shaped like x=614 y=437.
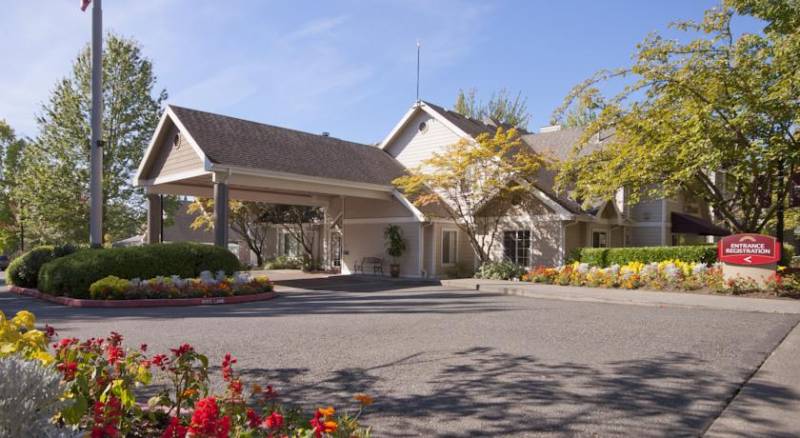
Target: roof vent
x=326 y=134
x=552 y=128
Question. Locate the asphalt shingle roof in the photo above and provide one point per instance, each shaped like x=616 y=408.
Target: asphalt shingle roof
x=235 y=142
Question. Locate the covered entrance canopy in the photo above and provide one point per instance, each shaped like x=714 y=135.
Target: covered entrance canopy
x=201 y=154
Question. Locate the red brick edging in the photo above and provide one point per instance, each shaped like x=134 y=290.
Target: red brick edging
x=161 y=302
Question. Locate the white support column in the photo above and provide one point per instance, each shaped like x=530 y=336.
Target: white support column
x=345 y=253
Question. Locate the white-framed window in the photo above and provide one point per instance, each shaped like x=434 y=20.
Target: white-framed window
x=291 y=247
x=449 y=244
x=517 y=247
x=599 y=239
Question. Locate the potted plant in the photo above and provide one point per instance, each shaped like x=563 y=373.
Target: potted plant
x=395 y=247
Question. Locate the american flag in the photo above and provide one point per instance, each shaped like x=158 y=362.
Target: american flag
x=85 y=4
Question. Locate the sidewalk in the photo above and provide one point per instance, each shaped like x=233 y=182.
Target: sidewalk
x=634 y=297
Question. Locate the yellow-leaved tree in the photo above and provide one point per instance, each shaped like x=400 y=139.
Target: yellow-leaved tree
x=476 y=182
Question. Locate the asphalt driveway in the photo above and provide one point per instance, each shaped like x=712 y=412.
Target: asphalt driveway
x=457 y=363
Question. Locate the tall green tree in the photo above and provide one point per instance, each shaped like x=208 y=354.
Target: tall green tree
x=502 y=107
x=55 y=179
x=11 y=228
x=715 y=117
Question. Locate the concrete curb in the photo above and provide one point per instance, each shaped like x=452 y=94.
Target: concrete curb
x=768 y=403
x=132 y=304
x=632 y=297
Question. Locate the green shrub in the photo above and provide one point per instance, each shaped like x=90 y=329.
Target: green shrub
x=110 y=287
x=284 y=262
x=604 y=257
x=72 y=275
x=504 y=270
x=24 y=270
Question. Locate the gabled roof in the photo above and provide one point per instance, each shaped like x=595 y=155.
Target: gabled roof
x=230 y=141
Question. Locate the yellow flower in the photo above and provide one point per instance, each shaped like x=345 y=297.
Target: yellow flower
x=45 y=357
x=327 y=412
x=34 y=337
x=24 y=319
x=364 y=399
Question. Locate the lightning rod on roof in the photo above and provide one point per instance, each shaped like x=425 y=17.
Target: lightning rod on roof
x=418 y=46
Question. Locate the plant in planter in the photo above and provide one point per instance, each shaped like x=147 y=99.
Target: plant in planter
x=395 y=247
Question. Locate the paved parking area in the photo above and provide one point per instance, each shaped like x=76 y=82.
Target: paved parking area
x=464 y=363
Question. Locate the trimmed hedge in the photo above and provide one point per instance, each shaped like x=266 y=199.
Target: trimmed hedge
x=23 y=271
x=605 y=257
x=74 y=274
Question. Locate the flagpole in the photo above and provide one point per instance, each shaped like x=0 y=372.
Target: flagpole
x=96 y=179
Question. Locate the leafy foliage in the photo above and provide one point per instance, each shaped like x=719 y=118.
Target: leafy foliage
x=284 y=262
x=604 y=257
x=115 y=288
x=244 y=219
x=54 y=176
x=11 y=150
x=503 y=270
x=502 y=108
x=395 y=243
x=295 y=221
x=24 y=270
x=74 y=274
x=468 y=176
x=715 y=117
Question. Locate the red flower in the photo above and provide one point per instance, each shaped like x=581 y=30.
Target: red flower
x=160 y=360
x=114 y=353
x=143 y=347
x=49 y=331
x=68 y=369
x=183 y=349
x=206 y=421
x=175 y=429
x=227 y=370
x=252 y=418
x=270 y=393
x=274 y=421
x=66 y=342
x=115 y=338
x=106 y=418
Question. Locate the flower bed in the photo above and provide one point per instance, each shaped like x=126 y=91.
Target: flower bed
x=175 y=287
x=665 y=275
x=91 y=387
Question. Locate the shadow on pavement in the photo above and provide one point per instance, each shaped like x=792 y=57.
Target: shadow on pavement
x=501 y=394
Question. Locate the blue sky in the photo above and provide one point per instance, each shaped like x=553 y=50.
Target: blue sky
x=346 y=67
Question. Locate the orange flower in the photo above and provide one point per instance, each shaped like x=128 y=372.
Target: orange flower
x=330 y=426
x=364 y=399
x=189 y=393
x=327 y=412
x=256 y=389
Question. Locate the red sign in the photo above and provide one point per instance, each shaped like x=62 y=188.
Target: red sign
x=749 y=249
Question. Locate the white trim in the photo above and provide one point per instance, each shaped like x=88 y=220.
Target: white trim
x=296 y=177
x=398 y=128
x=444 y=230
x=421 y=250
x=182 y=129
x=173 y=177
x=407 y=204
x=381 y=220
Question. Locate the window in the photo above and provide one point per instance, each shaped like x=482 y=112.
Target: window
x=599 y=239
x=517 y=247
x=449 y=247
x=291 y=247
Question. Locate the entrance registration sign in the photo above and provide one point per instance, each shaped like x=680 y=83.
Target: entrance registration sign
x=749 y=249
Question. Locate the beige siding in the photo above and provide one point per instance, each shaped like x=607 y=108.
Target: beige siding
x=574 y=237
x=173 y=160
x=411 y=146
x=359 y=208
x=366 y=240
